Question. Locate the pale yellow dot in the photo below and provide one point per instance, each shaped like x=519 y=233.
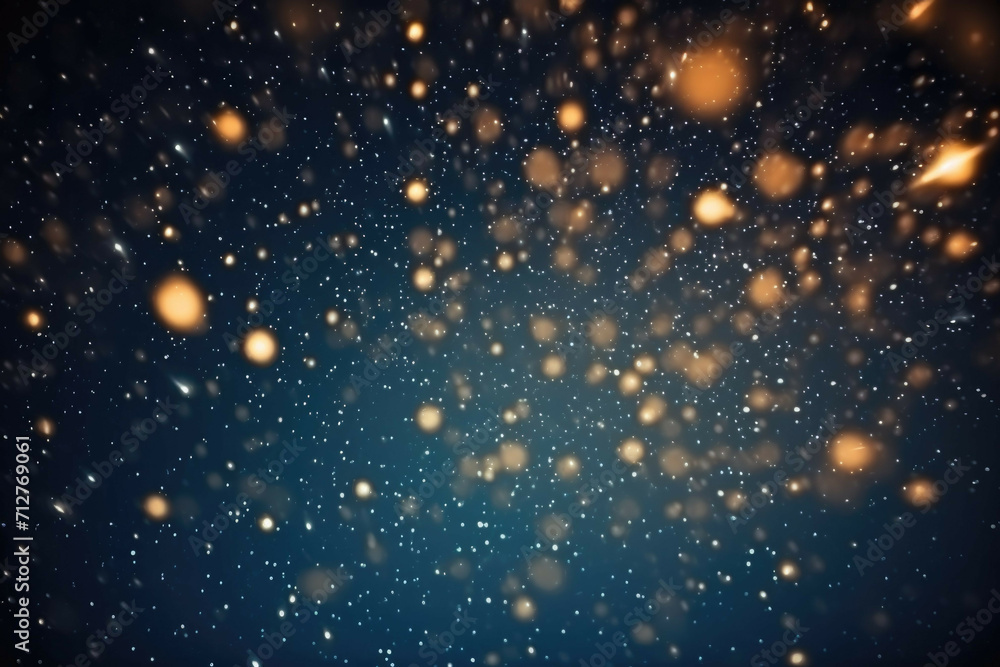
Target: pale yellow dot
x=505 y=261
x=710 y=83
x=45 y=427
x=568 y=467
x=920 y=491
x=179 y=304
x=415 y=31
x=513 y=456
x=789 y=570
x=553 y=366
x=631 y=450
x=229 y=127
x=260 y=347
x=596 y=373
x=644 y=363
x=546 y=573
x=570 y=116
x=630 y=383
x=603 y=332
x=712 y=208
x=543 y=328
x=34 y=319
x=423 y=278
x=766 y=289
x=778 y=175
x=852 y=450
x=265 y=523
x=363 y=489
x=429 y=418
x=960 y=244
x=156 y=507
x=417 y=192
x=651 y=410
x=524 y=608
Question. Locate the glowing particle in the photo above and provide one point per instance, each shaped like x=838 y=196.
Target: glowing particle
x=179 y=304
x=156 y=507
x=429 y=418
x=524 y=608
x=423 y=278
x=568 y=467
x=713 y=208
x=363 y=489
x=570 y=116
x=788 y=570
x=415 y=31
x=417 y=192
x=955 y=166
x=631 y=450
x=230 y=127
x=260 y=347
x=852 y=451
x=34 y=319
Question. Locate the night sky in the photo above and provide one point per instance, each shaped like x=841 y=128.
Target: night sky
x=493 y=333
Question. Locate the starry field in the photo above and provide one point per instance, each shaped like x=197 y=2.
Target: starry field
x=552 y=332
